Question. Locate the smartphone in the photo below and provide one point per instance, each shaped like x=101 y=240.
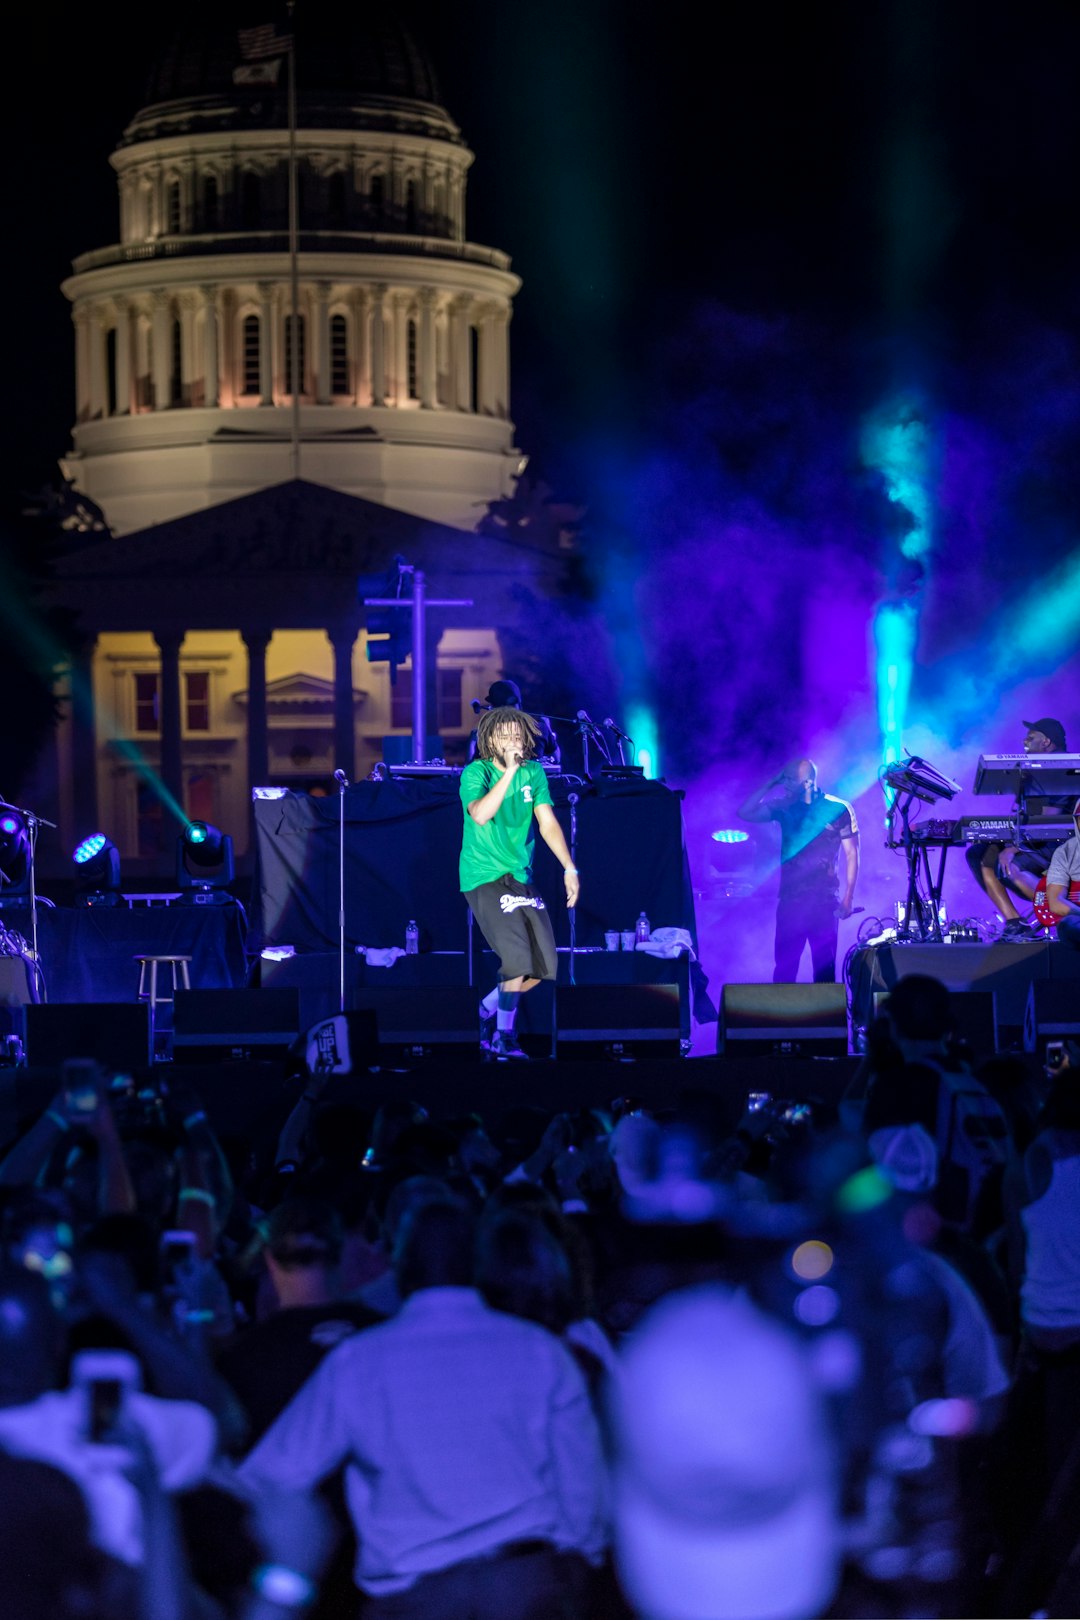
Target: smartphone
x=106 y=1379
x=1055 y=1054
x=178 y=1248
x=756 y=1100
x=82 y=1085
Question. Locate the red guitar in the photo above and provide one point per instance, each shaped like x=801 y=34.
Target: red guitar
x=1046 y=917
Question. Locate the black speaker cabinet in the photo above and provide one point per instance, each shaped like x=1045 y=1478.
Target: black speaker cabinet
x=1052 y=1013
x=797 y=1020
x=975 y=1017
x=210 y=1025
x=423 y=1021
x=617 y=1020
x=116 y=1033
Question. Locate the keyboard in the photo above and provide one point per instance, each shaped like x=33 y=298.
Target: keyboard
x=990 y=830
x=1030 y=773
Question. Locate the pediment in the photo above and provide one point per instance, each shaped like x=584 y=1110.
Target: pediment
x=300 y=694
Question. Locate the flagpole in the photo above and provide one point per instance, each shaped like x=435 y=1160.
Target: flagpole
x=294 y=267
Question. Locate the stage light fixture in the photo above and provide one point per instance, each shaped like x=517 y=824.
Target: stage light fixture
x=15 y=855
x=97 y=871
x=204 y=865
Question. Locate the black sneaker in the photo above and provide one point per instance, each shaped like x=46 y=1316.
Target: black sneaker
x=487 y=1029
x=504 y=1045
x=1018 y=932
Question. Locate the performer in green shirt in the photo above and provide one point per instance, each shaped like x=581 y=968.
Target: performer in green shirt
x=505 y=797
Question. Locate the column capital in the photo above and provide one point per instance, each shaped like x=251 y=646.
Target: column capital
x=169 y=641
x=256 y=638
x=428 y=297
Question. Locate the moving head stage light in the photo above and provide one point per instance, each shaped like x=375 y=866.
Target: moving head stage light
x=16 y=855
x=97 y=872
x=204 y=865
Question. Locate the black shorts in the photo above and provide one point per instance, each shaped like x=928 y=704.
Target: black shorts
x=515 y=922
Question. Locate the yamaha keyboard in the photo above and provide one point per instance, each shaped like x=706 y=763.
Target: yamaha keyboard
x=1030 y=774
x=990 y=830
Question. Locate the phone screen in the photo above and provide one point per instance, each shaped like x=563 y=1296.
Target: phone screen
x=106 y=1397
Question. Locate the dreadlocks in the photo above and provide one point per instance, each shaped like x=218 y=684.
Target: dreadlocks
x=491 y=722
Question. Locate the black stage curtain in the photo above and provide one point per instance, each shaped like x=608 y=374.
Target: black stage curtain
x=87 y=952
x=402 y=837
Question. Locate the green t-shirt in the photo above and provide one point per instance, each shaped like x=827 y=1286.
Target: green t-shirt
x=505 y=843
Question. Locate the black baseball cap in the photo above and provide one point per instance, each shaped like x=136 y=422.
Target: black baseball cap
x=1052 y=729
x=507 y=695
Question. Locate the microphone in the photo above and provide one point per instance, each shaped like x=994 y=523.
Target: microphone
x=585 y=721
x=616 y=731
x=341 y=779
x=477 y=707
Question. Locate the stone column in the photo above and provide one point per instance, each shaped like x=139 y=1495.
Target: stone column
x=187 y=306
x=400 y=359
x=84 y=733
x=81 y=319
x=500 y=360
x=228 y=358
x=266 y=334
x=211 y=385
x=98 y=402
x=258 y=752
x=343 y=639
x=124 y=368
x=172 y=770
x=160 y=350
x=320 y=336
x=485 y=392
x=460 y=355
x=427 y=348
x=378 y=347
x=361 y=376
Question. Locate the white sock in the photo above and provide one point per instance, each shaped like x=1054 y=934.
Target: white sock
x=504 y=1019
x=490 y=1003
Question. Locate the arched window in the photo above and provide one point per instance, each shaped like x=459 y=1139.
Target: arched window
x=251 y=355
x=335 y=201
x=378 y=196
x=211 y=217
x=412 y=358
x=339 y=355
x=172 y=208
x=411 y=211
x=250 y=201
x=176 y=366
x=300 y=354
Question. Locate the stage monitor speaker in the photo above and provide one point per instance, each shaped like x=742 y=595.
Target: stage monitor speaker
x=414 y=1022
x=1052 y=1013
x=617 y=1020
x=116 y=1033
x=794 y=1020
x=974 y=1015
x=212 y=1025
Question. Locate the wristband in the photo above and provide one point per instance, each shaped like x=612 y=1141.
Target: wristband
x=195 y=1119
x=58 y=1119
x=286 y=1587
x=570 y=871
x=199 y=1193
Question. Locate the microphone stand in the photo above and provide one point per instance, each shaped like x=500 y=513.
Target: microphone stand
x=342 y=781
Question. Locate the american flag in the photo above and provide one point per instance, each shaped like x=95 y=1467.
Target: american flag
x=258 y=44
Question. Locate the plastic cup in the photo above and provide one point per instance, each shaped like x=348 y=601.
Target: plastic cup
x=611 y=940
x=629 y=939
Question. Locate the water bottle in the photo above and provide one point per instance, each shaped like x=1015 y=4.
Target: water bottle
x=641 y=932
x=412 y=939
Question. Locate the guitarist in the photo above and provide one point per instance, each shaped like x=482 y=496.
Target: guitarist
x=1063 y=885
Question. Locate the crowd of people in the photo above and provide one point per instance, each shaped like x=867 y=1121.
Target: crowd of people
x=735 y=1356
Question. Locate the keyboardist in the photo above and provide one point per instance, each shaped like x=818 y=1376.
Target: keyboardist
x=997 y=868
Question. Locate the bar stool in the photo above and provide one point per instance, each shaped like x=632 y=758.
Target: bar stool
x=154 y=994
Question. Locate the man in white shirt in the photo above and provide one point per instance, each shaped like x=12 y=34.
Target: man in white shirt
x=1063 y=885
x=473 y=1465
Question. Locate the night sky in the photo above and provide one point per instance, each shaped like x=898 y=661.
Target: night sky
x=744 y=235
